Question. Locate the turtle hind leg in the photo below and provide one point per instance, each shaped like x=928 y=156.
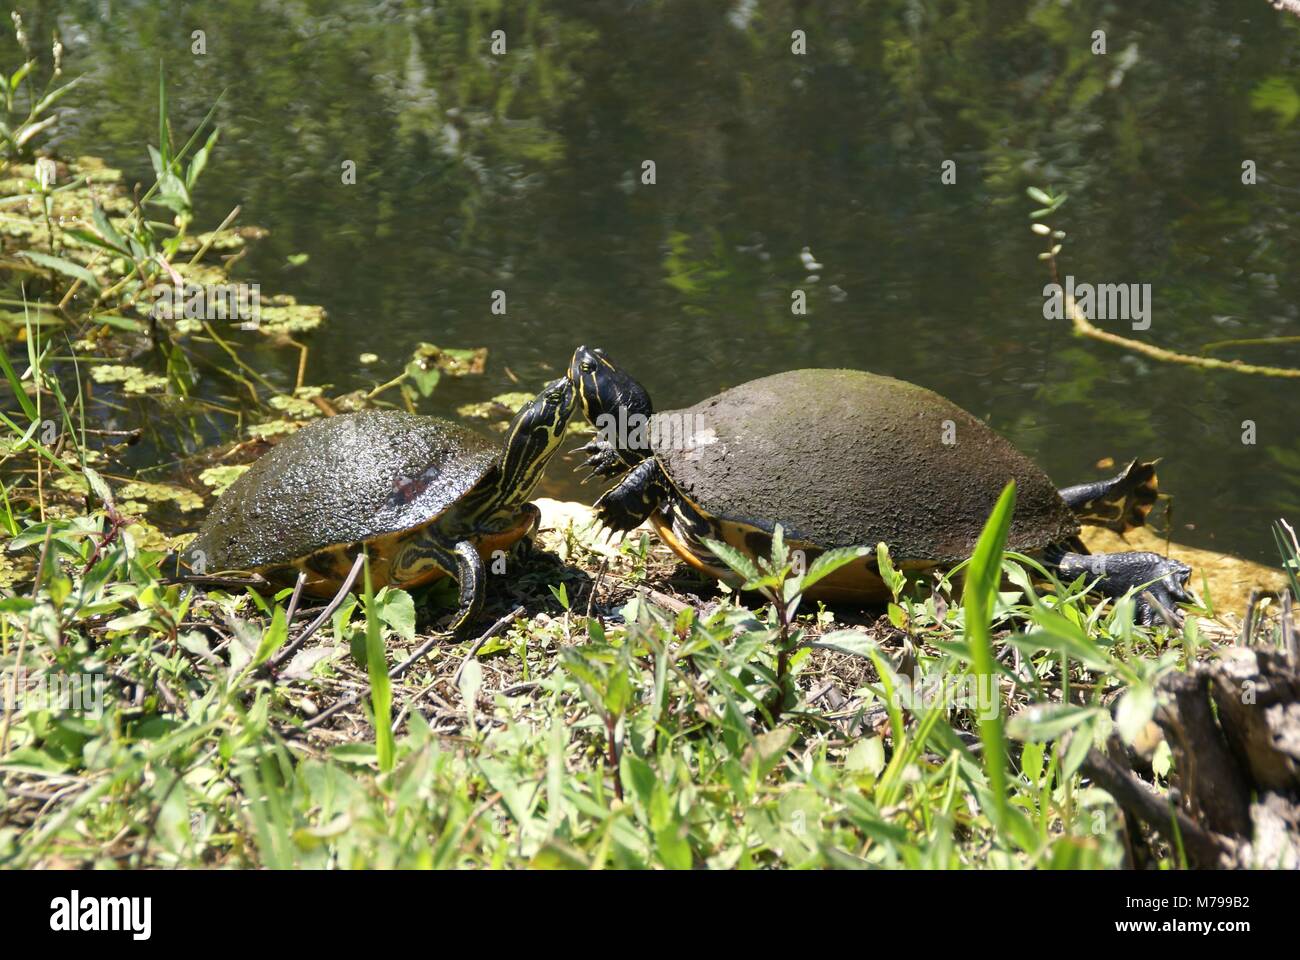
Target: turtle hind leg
x=1117 y=573
x=1120 y=503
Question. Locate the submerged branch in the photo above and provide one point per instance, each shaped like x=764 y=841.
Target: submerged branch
x=1084 y=327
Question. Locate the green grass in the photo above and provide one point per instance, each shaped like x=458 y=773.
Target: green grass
x=636 y=737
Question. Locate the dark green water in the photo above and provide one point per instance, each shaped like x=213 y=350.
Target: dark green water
x=521 y=173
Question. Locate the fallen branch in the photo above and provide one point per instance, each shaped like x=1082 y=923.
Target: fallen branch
x=1142 y=803
x=1233 y=725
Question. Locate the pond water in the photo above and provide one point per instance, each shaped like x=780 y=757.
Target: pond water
x=522 y=172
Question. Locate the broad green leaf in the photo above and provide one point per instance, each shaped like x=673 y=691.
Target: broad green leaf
x=673 y=850
x=63 y=266
x=893 y=579
x=120 y=323
x=20 y=73
x=397 y=609
x=99 y=486
x=1135 y=709
x=853 y=642
x=108 y=231
x=734 y=559
x=1031 y=762
x=866 y=756
x=1062 y=636
x=1047 y=721
x=200 y=160
x=273 y=638
x=425 y=380
x=829 y=562
x=54 y=96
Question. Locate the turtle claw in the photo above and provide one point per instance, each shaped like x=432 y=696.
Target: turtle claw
x=604 y=460
x=606 y=467
x=600 y=468
x=1160 y=600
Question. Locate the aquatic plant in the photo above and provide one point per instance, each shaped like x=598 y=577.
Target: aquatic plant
x=28 y=111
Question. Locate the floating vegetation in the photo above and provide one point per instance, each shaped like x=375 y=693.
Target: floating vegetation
x=133 y=379
x=282 y=314
x=180 y=497
x=298 y=406
x=223 y=241
x=144 y=304
x=501 y=407
x=271 y=429
x=135 y=496
x=220 y=477
x=430 y=362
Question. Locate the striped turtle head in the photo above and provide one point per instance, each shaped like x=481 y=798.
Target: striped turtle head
x=605 y=389
x=533 y=437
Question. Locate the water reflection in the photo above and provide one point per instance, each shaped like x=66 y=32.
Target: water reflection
x=523 y=172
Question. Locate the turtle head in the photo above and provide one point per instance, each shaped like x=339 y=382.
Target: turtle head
x=533 y=437
x=605 y=389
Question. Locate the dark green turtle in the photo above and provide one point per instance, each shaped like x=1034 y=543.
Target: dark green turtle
x=425 y=496
x=842 y=458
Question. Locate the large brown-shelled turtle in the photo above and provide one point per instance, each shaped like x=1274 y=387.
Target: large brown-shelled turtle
x=843 y=458
x=426 y=498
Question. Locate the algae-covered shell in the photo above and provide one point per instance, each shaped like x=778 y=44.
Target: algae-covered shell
x=844 y=458
x=342 y=480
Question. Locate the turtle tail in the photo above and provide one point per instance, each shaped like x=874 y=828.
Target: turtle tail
x=1120 y=503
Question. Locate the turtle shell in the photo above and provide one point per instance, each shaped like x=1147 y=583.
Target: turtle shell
x=845 y=458
x=342 y=480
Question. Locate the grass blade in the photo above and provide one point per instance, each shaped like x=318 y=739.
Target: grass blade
x=381 y=687
x=982 y=579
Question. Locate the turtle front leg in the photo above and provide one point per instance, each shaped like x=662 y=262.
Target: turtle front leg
x=472 y=582
x=629 y=503
x=1164 y=579
x=604 y=459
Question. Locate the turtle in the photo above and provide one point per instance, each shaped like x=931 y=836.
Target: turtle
x=425 y=496
x=843 y=458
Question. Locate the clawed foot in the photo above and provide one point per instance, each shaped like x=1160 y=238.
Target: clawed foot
x=616 y=513
x=1161 y=599
x=1161 y=583
x=604 y=460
